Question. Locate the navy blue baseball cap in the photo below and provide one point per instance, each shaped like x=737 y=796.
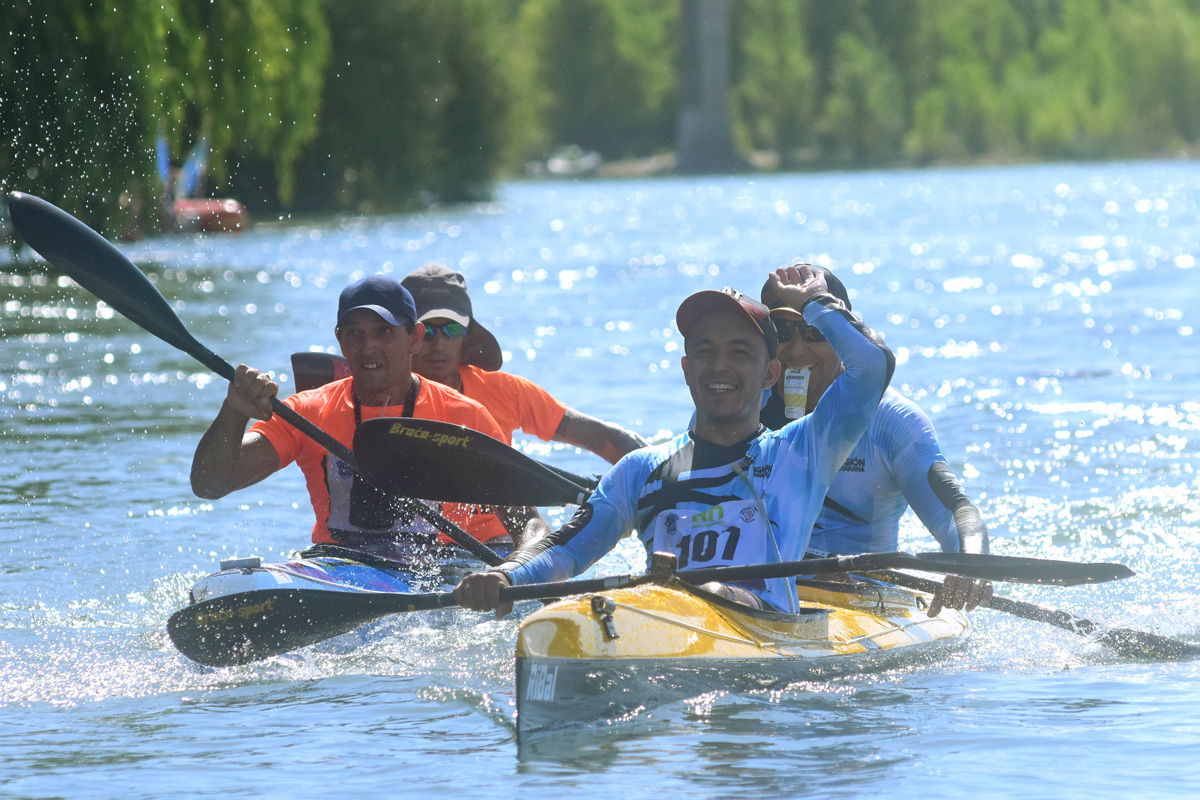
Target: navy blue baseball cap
x=381 y=294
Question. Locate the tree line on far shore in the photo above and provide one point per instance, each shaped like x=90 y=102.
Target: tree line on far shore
x=381 y=105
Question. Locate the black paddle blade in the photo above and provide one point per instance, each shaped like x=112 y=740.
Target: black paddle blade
x=436 y=460
x=98 y=266
x=969 y=565
x=1013 y=569
x=250 y=626
x=312 y=370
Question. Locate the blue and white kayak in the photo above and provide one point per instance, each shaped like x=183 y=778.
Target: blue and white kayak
x=249 y=610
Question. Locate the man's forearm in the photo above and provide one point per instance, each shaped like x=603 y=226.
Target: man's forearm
x=219 y=451
x=972 y=532
x=605 y=439
x=619 y=442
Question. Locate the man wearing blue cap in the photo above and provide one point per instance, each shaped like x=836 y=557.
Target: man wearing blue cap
x=378 y=332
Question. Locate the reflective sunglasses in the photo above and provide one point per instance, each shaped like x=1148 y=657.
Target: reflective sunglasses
x=787 y=328
x=450 y=330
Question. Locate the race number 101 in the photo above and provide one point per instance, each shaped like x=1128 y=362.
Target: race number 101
x=702 y=547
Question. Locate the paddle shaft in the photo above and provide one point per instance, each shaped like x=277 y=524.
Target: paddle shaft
x=988 y=567
x=968 y=565
x=1126 y=641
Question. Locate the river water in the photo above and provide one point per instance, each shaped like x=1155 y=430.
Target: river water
x=1044 y=316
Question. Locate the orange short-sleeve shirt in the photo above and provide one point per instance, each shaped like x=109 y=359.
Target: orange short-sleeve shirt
x=331 y=408
x=514 y=402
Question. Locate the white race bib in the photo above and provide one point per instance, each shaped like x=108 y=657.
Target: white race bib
x=731 y=533
x=339 y=477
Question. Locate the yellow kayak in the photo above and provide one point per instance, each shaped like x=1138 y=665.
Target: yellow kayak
x=614 y=654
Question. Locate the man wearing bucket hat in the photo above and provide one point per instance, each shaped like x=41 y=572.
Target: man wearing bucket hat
x=898 y=463
x=465 y=356
x=379 y=334
x=728 y=491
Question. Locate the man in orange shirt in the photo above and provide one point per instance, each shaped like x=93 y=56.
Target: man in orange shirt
x=464 y=355
x=379 y=334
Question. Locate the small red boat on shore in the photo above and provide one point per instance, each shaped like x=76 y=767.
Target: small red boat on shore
x=210 y=215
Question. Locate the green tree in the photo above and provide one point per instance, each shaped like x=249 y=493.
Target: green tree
x=86 y=86
x=775 y=84
x=608 y=68
x=415 y=102
x=1080 y=103
x=71 y=129
x=1159 y=42
x=967 y=50
x=250 y=74
x=863 y=119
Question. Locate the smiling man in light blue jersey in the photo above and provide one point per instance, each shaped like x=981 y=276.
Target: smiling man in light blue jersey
x=898 y=463
x=729 y=491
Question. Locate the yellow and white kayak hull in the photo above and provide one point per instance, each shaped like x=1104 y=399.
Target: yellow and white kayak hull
x=609 y=655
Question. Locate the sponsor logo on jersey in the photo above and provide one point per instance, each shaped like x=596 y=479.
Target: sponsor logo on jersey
x=854 y=465
x=748 y=514
x=762 y=472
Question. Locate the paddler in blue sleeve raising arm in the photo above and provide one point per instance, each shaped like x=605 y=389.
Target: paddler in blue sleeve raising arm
x=729 y=491
x=898 y=463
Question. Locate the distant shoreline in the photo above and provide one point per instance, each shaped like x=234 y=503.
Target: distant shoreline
x=766 y=163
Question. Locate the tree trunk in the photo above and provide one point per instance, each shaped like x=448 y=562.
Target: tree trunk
x=704 y=139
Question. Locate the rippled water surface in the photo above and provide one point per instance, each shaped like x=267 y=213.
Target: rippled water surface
x=1044 y=317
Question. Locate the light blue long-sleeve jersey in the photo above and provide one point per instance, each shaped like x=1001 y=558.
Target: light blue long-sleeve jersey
x=888 y=471
x=897 y=463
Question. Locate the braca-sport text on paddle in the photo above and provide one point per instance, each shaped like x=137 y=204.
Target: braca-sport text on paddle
x=437 y=460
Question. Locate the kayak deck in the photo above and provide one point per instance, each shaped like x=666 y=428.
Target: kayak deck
x=253 y=611
x=330 y=574
x=675 y=641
